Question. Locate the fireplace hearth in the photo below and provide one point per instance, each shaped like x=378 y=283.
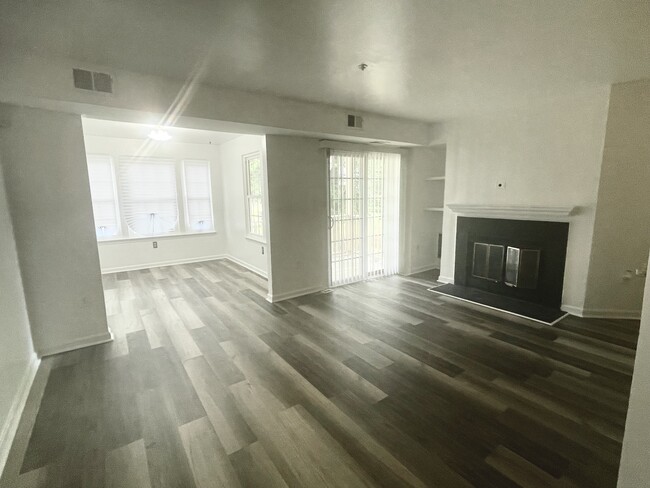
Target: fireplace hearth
x=511 y=265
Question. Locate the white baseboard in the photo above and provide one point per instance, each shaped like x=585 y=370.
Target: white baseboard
x=577 y=311
x=93 y=340
x=293 y=294
x=445 y=279
x=602 y=313
x=10 y=426
x=421 y=269
x=249 y=267
x=160 y=264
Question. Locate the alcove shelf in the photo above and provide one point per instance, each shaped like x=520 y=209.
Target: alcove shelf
x=434 y=209
x=435 y=178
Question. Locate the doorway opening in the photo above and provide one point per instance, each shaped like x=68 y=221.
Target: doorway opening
x=179 y=214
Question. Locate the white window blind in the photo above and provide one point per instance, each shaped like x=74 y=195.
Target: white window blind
x=364 y=215
x=148 y=196
x=103 y=194
x=198 y=201
x=253 y=177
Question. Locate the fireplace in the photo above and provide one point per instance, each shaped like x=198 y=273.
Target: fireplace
x=520 y=259
x=521 y=268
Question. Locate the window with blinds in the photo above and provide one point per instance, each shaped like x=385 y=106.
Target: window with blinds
x=149 y=198
x=104 y=196
x=253 y=181
x=198 y=197
x=146 y=196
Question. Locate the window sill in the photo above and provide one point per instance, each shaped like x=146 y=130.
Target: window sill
x=156 y=238
x=255 y=238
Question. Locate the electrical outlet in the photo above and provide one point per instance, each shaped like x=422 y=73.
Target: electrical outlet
x=155 y=244
x=262 y=249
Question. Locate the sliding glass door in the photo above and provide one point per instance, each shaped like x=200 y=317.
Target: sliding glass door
x=364 y=215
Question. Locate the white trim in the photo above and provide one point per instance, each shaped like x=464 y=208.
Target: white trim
x=602 y=313
x=10 y=426
x=421 y=269
x=93 y=340
x=577 y=311
x=256 y=238
x=172 y=262
x=498 y=309
x=155 y=238
x=159 y=264
x=445 y=279
x=521 y=212
x=294 y=294
x=244 y=264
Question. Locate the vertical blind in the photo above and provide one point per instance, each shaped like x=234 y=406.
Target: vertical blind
x=103 y=194
x=198 y=201
x=148 y=196
x=364 y=215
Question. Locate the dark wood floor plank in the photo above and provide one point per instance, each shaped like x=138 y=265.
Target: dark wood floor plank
x=231 y=429
x=167 y=464
x=208 y=460
x=126 y=467
x=255 y=468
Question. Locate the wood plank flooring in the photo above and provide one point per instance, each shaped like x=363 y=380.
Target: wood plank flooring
x=376 y=384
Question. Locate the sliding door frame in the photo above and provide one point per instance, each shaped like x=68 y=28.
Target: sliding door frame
x=364 y=220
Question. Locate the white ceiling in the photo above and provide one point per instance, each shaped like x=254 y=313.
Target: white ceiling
x=428 y=59
x=129 y=130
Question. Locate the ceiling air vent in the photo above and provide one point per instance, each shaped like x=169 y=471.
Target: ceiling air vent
x=93 y=81
x=355 y=121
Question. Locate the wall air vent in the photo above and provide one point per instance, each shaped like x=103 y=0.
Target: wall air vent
x=355 y=121
x=92 y=81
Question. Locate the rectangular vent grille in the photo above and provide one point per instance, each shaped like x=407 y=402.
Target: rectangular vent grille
x=355 y=121
x=92 y=81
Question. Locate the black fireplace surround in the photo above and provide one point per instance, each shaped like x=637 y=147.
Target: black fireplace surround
x=549 y=238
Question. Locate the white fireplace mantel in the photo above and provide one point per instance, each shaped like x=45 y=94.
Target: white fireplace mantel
x=521 y=212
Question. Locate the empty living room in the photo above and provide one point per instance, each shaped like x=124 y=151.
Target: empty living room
x=325 y=243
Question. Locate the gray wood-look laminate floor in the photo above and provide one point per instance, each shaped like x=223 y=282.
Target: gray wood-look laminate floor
x=380 y=383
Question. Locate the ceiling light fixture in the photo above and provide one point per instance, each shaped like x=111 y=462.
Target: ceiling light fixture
x=159 y=135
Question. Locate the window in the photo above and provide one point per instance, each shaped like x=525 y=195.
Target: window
x=148 y=196
x=104 y=197
x=253 y=181
x=198 y=199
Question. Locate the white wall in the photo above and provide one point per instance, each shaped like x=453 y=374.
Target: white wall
x=634 y=471
x=622 y=228
x=240 y=247
x=297 y=193
x=547 y=156
x=17 y=358
x=47 y=188
x=139 y=253
x=422 y=227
